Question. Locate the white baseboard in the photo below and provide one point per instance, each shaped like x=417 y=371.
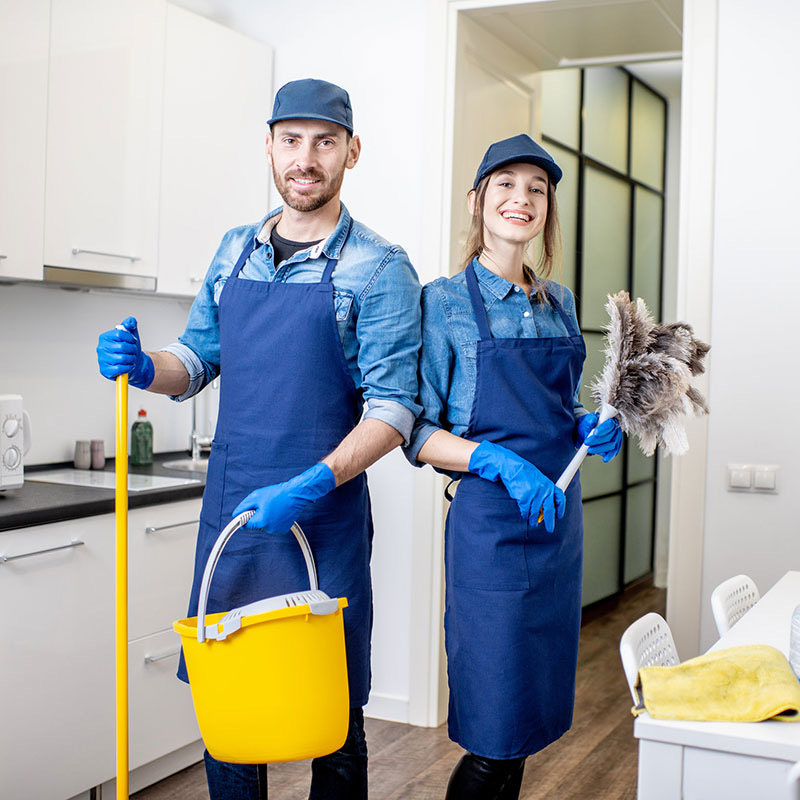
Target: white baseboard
x=391 y=707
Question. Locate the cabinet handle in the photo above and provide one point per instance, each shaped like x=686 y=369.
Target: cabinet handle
x=157 y=528
x=153 y=659
x=2 y=257
x=73 y=543
x=78 y=250
x=194 y=279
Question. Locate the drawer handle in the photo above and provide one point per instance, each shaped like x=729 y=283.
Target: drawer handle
x=157 y=528
x=73 y=543
x=153 y=659
x=76 y=251
x=2 y=256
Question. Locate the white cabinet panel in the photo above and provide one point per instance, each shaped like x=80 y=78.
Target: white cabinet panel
x=24 y=38
x=162 y=717
x=103 y=135
x=57 y=659
x=161 y=546
x=217 y=99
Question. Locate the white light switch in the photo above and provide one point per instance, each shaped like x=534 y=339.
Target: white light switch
x=765 y=478
x=740 y=477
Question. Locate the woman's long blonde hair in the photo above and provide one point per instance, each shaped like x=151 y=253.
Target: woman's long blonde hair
x=550 y=255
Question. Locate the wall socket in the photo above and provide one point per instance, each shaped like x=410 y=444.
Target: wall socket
x=753 y=478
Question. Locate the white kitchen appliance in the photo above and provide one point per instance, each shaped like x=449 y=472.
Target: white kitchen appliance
x=15 y=440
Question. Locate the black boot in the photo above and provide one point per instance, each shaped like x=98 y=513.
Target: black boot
x=478 y=778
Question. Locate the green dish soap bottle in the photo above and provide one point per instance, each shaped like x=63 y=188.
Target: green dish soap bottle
x=141 y=441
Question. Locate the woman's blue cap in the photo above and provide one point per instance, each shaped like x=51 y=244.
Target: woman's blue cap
x=313 y=99
x=520 y=148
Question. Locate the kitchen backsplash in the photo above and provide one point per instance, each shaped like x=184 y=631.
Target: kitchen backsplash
x=47 y=354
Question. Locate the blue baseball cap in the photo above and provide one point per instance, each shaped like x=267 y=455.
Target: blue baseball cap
x=520 y=148
x=313 y=99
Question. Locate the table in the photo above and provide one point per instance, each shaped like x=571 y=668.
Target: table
x=681 y=760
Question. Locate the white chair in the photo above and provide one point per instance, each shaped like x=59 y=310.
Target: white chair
x=731 y=599
x=647 y=642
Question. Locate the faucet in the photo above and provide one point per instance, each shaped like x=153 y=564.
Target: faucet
x=198 y=441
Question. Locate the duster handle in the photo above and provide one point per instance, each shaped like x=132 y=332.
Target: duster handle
x=606 y=413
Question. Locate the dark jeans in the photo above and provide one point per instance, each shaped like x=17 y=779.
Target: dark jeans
x=340 y=776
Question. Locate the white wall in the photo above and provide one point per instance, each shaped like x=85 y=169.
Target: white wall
x=47 y=354
x=755 y=370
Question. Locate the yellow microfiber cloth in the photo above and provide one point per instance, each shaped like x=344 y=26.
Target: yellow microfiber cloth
x=741 y=684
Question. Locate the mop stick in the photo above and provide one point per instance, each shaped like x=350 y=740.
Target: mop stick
x=121 y=598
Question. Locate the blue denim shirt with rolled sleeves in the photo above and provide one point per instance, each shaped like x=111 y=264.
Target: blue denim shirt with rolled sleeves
x=448 y=358
x=377 y=303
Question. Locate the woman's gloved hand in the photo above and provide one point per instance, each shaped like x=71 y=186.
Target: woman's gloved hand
x=603 y=440
x=278 y=506
x=527 y=485
x=120 y=350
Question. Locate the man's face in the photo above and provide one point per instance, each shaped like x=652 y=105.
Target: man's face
x=308 y=159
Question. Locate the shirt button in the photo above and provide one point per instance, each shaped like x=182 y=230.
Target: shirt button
x=516 y=288
x=526 y=314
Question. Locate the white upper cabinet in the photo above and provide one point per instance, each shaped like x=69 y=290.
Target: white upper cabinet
x=24 y=35
x=103 y=135
x=217 y=99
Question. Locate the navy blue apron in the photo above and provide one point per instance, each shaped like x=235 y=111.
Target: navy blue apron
x=287 y=400
x=513 y=596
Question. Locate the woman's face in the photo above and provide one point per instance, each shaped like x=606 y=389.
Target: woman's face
x=515 y=203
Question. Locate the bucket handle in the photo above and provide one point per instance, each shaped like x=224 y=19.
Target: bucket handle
x=216 y=552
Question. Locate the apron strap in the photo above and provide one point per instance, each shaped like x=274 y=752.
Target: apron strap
x=478 y=308
x=248 y=249
x=569 y=323
x=331 y=265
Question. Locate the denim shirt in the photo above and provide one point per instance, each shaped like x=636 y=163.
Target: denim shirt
x=448 y=359
x=376 y=298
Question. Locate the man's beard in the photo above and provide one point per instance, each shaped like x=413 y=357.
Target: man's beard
x=302 y=202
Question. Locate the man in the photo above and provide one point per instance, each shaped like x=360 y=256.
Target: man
x=307 y=314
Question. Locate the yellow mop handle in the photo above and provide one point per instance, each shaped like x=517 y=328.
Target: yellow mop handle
x=121 y=600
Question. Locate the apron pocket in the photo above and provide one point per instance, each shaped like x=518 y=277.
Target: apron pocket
x=486 y=548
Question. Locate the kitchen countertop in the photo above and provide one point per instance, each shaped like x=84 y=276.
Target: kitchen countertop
x=37 y=503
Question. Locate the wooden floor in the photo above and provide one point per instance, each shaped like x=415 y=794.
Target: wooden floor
x=596 y=759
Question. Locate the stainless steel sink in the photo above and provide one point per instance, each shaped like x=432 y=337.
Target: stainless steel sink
x=187 y=465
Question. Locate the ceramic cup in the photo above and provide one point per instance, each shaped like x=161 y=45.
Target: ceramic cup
x=83 y=454
x=98 y=454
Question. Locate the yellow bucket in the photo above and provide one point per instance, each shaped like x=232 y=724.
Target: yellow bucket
x=268 y=680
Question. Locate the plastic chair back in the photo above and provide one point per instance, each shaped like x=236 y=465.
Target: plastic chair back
x=731 y=600
x=647 y=642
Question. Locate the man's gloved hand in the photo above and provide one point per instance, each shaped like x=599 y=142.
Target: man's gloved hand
x=279 y=505
x=527 y=485
x=604 y=440
x=120 y=350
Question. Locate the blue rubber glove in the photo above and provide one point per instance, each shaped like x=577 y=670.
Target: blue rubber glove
x=120 y=351
x=279 y=505
x=604 y=440
x=527 y=485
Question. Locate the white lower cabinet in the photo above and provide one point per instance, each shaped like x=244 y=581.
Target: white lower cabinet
x=57 y=737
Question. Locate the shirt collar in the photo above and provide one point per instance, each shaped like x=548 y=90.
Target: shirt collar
x=331 y=246
x=494 y=284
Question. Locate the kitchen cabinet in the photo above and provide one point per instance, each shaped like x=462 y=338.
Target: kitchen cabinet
x=217 y=95
x=24 y=42
x=104 y=116
x=58 y=665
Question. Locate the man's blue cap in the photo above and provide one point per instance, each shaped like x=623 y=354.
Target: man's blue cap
x=313 y=99
x=520 y=148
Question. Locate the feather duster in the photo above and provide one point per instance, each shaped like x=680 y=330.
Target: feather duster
x=645 y=381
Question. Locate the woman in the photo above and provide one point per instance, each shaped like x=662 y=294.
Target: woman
x=500 y=371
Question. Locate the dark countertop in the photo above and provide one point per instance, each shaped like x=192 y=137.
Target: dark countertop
x=36 y=503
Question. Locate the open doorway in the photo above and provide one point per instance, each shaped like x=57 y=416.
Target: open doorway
x=599 y=85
